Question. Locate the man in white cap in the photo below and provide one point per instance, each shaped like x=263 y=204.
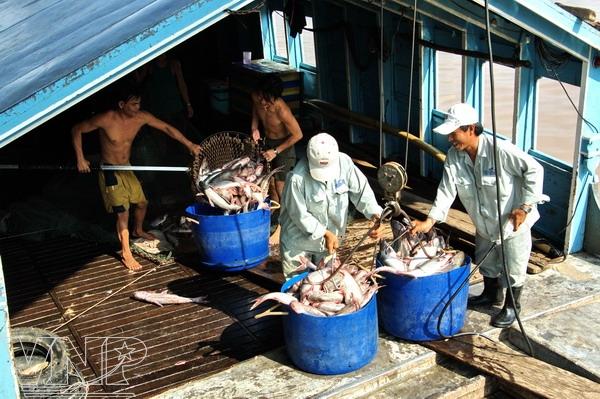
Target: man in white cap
x=315 y=202
x=469 y=172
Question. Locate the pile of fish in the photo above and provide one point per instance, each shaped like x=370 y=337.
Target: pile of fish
x=416 y=255
x=238 y=186
x=317 y=294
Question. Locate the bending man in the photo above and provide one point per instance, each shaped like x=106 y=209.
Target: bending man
x=315 y=203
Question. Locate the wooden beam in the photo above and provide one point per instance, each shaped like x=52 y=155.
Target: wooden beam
x=516 y=369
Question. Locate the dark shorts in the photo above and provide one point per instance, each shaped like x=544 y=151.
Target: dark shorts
x=286 y=158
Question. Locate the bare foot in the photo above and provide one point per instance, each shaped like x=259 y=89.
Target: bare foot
x=274 y=239
x=143 y=234
x=130 y=263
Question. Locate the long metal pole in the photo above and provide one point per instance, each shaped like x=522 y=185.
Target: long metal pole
x=100 y=167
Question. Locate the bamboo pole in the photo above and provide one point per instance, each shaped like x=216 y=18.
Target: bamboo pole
x=357 y=119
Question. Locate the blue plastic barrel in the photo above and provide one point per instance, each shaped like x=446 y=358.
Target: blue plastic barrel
x=334 y=344
x=409 y=308
x=230 y=242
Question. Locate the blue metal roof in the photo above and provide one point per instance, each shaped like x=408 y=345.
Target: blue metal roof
x=56 y=52
x=45 y=40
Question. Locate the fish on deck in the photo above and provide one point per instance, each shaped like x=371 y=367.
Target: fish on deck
x=165 y=298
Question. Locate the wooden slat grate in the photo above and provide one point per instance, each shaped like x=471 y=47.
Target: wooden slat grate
x=50 y=281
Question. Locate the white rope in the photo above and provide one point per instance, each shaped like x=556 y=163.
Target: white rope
x=102 y=300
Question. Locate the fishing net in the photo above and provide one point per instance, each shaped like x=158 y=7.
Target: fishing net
x=222 y=147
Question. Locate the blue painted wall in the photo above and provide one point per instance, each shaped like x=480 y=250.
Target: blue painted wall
x=348 y=75
x=8 y=379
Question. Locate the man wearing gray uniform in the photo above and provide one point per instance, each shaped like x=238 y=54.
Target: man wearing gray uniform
x=315 y=203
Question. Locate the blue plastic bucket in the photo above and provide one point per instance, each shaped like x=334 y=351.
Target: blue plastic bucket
x=409 y=308
x=230 y=242
x=331 y=345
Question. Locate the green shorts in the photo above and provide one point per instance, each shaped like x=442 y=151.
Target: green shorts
x=286 y=158
x=120 y=189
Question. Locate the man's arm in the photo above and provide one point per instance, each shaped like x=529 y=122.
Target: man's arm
x=294 y=202
x=360 y=192
x=183 y=89
x=523 y=166
x=254 y=125
x=89 y=125
x=171 y=132
x=445 y=196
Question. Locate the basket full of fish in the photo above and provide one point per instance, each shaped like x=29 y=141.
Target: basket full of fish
x=231 y=217
x=331 y=325
x=231 y=175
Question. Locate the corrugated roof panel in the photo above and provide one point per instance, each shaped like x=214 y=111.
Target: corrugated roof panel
x=43 y=41
x=57 y=52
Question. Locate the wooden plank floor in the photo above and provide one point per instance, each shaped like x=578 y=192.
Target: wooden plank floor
x=151 y=348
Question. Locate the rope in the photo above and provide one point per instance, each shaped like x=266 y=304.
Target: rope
x=509 y=290
x=410 y=82
x=381 y=92
x=102 y=300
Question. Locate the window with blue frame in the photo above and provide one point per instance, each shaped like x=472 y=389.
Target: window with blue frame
x=504 y=97
x=298 y=51
x=307 y=44
x=449 y=80
x=556 y=119
x=280 y=35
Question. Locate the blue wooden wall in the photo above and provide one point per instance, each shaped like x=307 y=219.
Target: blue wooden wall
x=348 y=75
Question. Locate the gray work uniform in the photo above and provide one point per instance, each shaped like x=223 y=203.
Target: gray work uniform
x=310 y=207
x=521 y=182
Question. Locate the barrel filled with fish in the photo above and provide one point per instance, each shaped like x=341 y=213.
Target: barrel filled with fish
x=232 y=210
x=331 y=326
x=421 y=275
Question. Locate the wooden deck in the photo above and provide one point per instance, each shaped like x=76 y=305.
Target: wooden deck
x=50 y=282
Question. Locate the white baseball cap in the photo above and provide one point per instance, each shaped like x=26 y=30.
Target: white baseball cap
x=323 y=154
x=458 y=115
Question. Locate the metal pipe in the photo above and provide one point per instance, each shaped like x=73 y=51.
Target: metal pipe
x=100 y=167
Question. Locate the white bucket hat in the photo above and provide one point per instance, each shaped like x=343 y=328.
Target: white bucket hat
x=458 y=115
x=323 y=154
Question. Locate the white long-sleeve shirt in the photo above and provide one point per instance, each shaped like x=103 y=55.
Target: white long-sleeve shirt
x=310 y=207
x=520 y=182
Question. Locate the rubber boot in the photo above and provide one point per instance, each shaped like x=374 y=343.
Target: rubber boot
x=491 y=295
x=508 y=314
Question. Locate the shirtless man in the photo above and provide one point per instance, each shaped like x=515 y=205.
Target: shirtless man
x=119 y=189
x=281 y=132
